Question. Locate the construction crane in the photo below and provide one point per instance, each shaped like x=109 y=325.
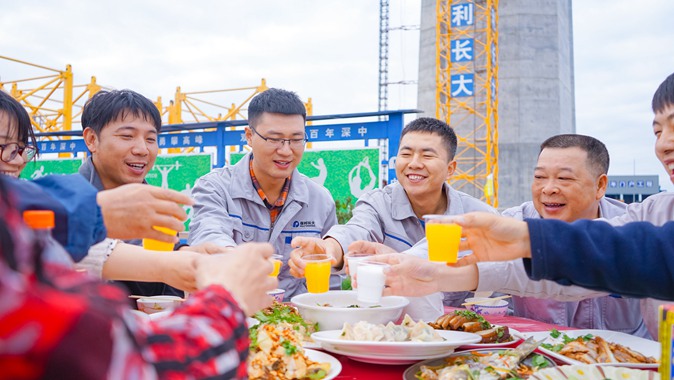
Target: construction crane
x=55 y=103
x=382 y=103
x=52 y=100
x=467 y=90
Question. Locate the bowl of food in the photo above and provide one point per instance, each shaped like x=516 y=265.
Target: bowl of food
x=332 y=309
x=155 y=304
x=487 y=306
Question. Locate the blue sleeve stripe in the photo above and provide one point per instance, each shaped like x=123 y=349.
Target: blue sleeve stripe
x=254 y=226
x=248 y=224
x=301 y=232
x=399 y=239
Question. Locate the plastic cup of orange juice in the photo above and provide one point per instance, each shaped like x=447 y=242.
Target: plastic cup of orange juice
x=443 y=238
x=276 y=260
x=156 y=245
x=317 y=273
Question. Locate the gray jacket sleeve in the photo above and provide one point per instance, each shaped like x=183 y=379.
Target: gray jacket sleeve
x=211 y=221
x=656 y=209
x=511 y=278
x=364 y=224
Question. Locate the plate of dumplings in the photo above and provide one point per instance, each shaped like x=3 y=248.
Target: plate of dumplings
x=404 y=343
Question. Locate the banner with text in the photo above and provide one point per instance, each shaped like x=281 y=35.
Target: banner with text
x=345 y=173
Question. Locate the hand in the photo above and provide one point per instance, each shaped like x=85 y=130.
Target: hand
x=130 y=211
x=244 y=272
x=366 y=247
x=312 y=246
x=493 y=238
x=409 y=275
x=178 y=270
x=206 y=248
x=370 y=247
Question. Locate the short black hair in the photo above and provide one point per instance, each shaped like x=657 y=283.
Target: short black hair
x=439 y=127
x=597 y=154
x=664 y=95
x=16 y=113
x=275 y=100
x=107 y=106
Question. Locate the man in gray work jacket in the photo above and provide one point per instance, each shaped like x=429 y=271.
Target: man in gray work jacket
x=569 y=184
x=393 y=215
x=263 y=198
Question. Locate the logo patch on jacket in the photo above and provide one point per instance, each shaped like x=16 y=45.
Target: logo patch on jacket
x=304 y=224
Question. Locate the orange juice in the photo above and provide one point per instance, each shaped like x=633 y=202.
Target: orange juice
x=317 y=273
x=156 y=245
x=276 y=260
x=443 y=241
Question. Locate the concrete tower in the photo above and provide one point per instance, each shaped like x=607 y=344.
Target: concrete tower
x=535 y=96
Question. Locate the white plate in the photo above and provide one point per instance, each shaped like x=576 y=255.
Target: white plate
x=335 y=365
x=590 y=372
x=331 y=339
x=517 y=336
x=641 y=345
x=387 y=359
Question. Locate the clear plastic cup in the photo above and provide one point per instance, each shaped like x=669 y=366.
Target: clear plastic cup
x=317 y=273
x=276 y=260
x=156 y=245
x=371 y=281
x=352 y=259
x=443 y=238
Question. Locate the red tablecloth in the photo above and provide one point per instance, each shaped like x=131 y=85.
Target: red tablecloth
x=355 y=370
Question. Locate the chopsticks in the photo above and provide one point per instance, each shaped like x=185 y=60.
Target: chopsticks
x=485 y=300
x=168 y=298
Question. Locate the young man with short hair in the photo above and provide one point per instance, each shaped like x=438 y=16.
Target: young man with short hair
x=120 y=130
x=393 y=215
x=263 y=197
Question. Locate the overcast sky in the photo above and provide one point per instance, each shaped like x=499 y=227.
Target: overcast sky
x=328 y=50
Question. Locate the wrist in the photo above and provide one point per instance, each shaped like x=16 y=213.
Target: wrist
x=334 y=249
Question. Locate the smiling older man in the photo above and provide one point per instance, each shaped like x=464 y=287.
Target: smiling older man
x=569 y=184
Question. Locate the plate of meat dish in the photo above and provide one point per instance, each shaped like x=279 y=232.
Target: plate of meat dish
x=468 y=321
x=599 y=347
x=491 y=364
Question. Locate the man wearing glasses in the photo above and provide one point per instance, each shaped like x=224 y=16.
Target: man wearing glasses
x=263 y=198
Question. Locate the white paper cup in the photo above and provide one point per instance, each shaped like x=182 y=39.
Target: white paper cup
x=371 y=281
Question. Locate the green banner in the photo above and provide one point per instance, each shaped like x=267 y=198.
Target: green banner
x=346 y=173
x=40 y=168
x=179 y=172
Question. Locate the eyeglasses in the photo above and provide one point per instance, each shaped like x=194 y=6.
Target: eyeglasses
x=9 y=151
x=278 y=143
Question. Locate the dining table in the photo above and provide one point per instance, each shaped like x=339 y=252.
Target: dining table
x=356 y=370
